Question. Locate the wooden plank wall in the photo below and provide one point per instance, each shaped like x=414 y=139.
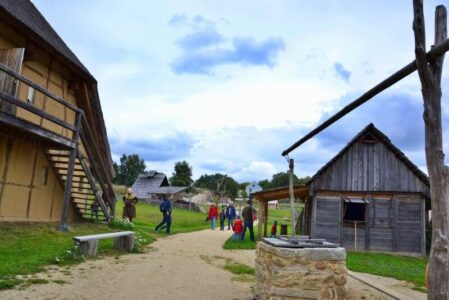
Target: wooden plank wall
x=394 y=223
x=327 y=218
x=369 y=167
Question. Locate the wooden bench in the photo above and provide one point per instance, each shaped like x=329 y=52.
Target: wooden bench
x=88 y=244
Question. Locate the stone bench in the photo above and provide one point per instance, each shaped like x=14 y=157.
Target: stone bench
x=88 y=244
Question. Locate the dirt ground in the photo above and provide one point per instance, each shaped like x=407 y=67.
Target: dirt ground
x=181 y=266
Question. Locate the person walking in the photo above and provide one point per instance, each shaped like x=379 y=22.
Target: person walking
x=213 y=215
x=129 y=210
x=248 y=215
x=166 y=210
x=230 y=215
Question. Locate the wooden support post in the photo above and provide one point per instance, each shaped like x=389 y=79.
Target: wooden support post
x=261 y=219
x=291 y=166
x=430 y=76
x=265 y=217
x=68 y=184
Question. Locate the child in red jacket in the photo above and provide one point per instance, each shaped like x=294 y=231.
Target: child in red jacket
x=274 y=229
x=238 y=228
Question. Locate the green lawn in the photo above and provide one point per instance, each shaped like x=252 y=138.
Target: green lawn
x=27 y=248
x=411 y=269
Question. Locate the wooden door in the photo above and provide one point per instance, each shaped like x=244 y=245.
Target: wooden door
x=12 y=58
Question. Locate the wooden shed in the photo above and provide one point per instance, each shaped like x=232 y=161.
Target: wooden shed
x=55 y=159
x=370 y=196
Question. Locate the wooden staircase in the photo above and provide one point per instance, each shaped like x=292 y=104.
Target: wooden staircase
x=85 y=189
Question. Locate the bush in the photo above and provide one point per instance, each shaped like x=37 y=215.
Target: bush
x=123 y=224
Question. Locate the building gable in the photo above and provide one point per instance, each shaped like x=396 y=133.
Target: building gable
x=370 y=162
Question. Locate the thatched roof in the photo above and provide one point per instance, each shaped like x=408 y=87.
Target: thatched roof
x=154 y=183
x=26 y=19
x=376 y=133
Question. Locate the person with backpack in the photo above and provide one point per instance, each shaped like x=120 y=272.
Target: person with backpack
x=165 y=209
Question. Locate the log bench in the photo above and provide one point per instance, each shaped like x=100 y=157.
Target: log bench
x=88 y=244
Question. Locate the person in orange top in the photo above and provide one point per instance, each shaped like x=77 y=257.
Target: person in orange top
x=213 y=215
x=238 y=227
x=274 y=229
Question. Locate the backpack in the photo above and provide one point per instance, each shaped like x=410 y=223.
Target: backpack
x=162 y=206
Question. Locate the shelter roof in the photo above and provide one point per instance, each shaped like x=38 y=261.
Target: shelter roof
x=372 y=132
x=281 y=193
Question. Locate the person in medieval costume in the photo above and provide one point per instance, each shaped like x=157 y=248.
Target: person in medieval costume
x=129 y=210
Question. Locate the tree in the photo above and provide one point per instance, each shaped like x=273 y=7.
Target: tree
x=430 y=71
x=218 y=182
x=264 y=184
x=182 y=175
x=129 y=169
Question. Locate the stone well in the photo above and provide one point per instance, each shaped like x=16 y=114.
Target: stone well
x=300 y=273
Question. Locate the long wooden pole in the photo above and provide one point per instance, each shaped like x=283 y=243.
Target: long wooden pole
x=436 y=52
x=430 y=76
x=291 y=166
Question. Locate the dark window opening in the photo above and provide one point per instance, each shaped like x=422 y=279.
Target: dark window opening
x=369 y=138
x=354 y=211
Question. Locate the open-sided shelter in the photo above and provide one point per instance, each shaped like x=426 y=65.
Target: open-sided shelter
x=370 y=196
x=54 y=154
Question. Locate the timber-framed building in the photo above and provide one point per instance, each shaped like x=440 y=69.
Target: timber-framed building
x=54 y=154
x=370 y=196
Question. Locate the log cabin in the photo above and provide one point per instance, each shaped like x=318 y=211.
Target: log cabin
x=369 y=197
x=55 y=160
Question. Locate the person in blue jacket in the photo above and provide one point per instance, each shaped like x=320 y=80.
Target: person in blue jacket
x=230 y=215
x=165 y=208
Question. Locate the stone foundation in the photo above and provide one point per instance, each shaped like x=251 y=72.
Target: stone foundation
x=300 y=273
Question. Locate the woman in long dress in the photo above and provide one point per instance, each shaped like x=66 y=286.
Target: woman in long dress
x=129 y=210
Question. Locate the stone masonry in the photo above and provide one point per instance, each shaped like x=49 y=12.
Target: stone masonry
x=300 y=273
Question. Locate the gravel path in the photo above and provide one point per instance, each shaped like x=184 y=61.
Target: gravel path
x=181 y=266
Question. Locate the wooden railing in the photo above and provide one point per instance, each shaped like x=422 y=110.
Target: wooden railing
x=79 y=132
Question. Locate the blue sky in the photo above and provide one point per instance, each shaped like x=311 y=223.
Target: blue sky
x=228 y=85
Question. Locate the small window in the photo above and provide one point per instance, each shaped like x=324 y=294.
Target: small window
x=44 y=176
x=31 y=95
x=354 y=211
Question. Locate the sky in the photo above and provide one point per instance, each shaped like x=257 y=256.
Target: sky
x=228 y=85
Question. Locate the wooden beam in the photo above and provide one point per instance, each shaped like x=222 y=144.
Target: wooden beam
x=35 y=110
x=35 y=129
x=436 y=52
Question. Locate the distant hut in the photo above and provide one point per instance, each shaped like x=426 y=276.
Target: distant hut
x=370 y=196
x=152 y=185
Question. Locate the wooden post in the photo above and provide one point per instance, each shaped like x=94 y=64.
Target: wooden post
x=68 y=183
x=291 y=166
x=265 y=217
x=259 y=225
x=430 y=76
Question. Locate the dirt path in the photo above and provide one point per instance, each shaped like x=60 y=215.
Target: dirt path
x=182 y=266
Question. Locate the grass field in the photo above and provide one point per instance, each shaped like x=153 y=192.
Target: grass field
x=26 y=248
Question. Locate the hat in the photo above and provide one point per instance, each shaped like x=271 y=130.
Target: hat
x=130 y=191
